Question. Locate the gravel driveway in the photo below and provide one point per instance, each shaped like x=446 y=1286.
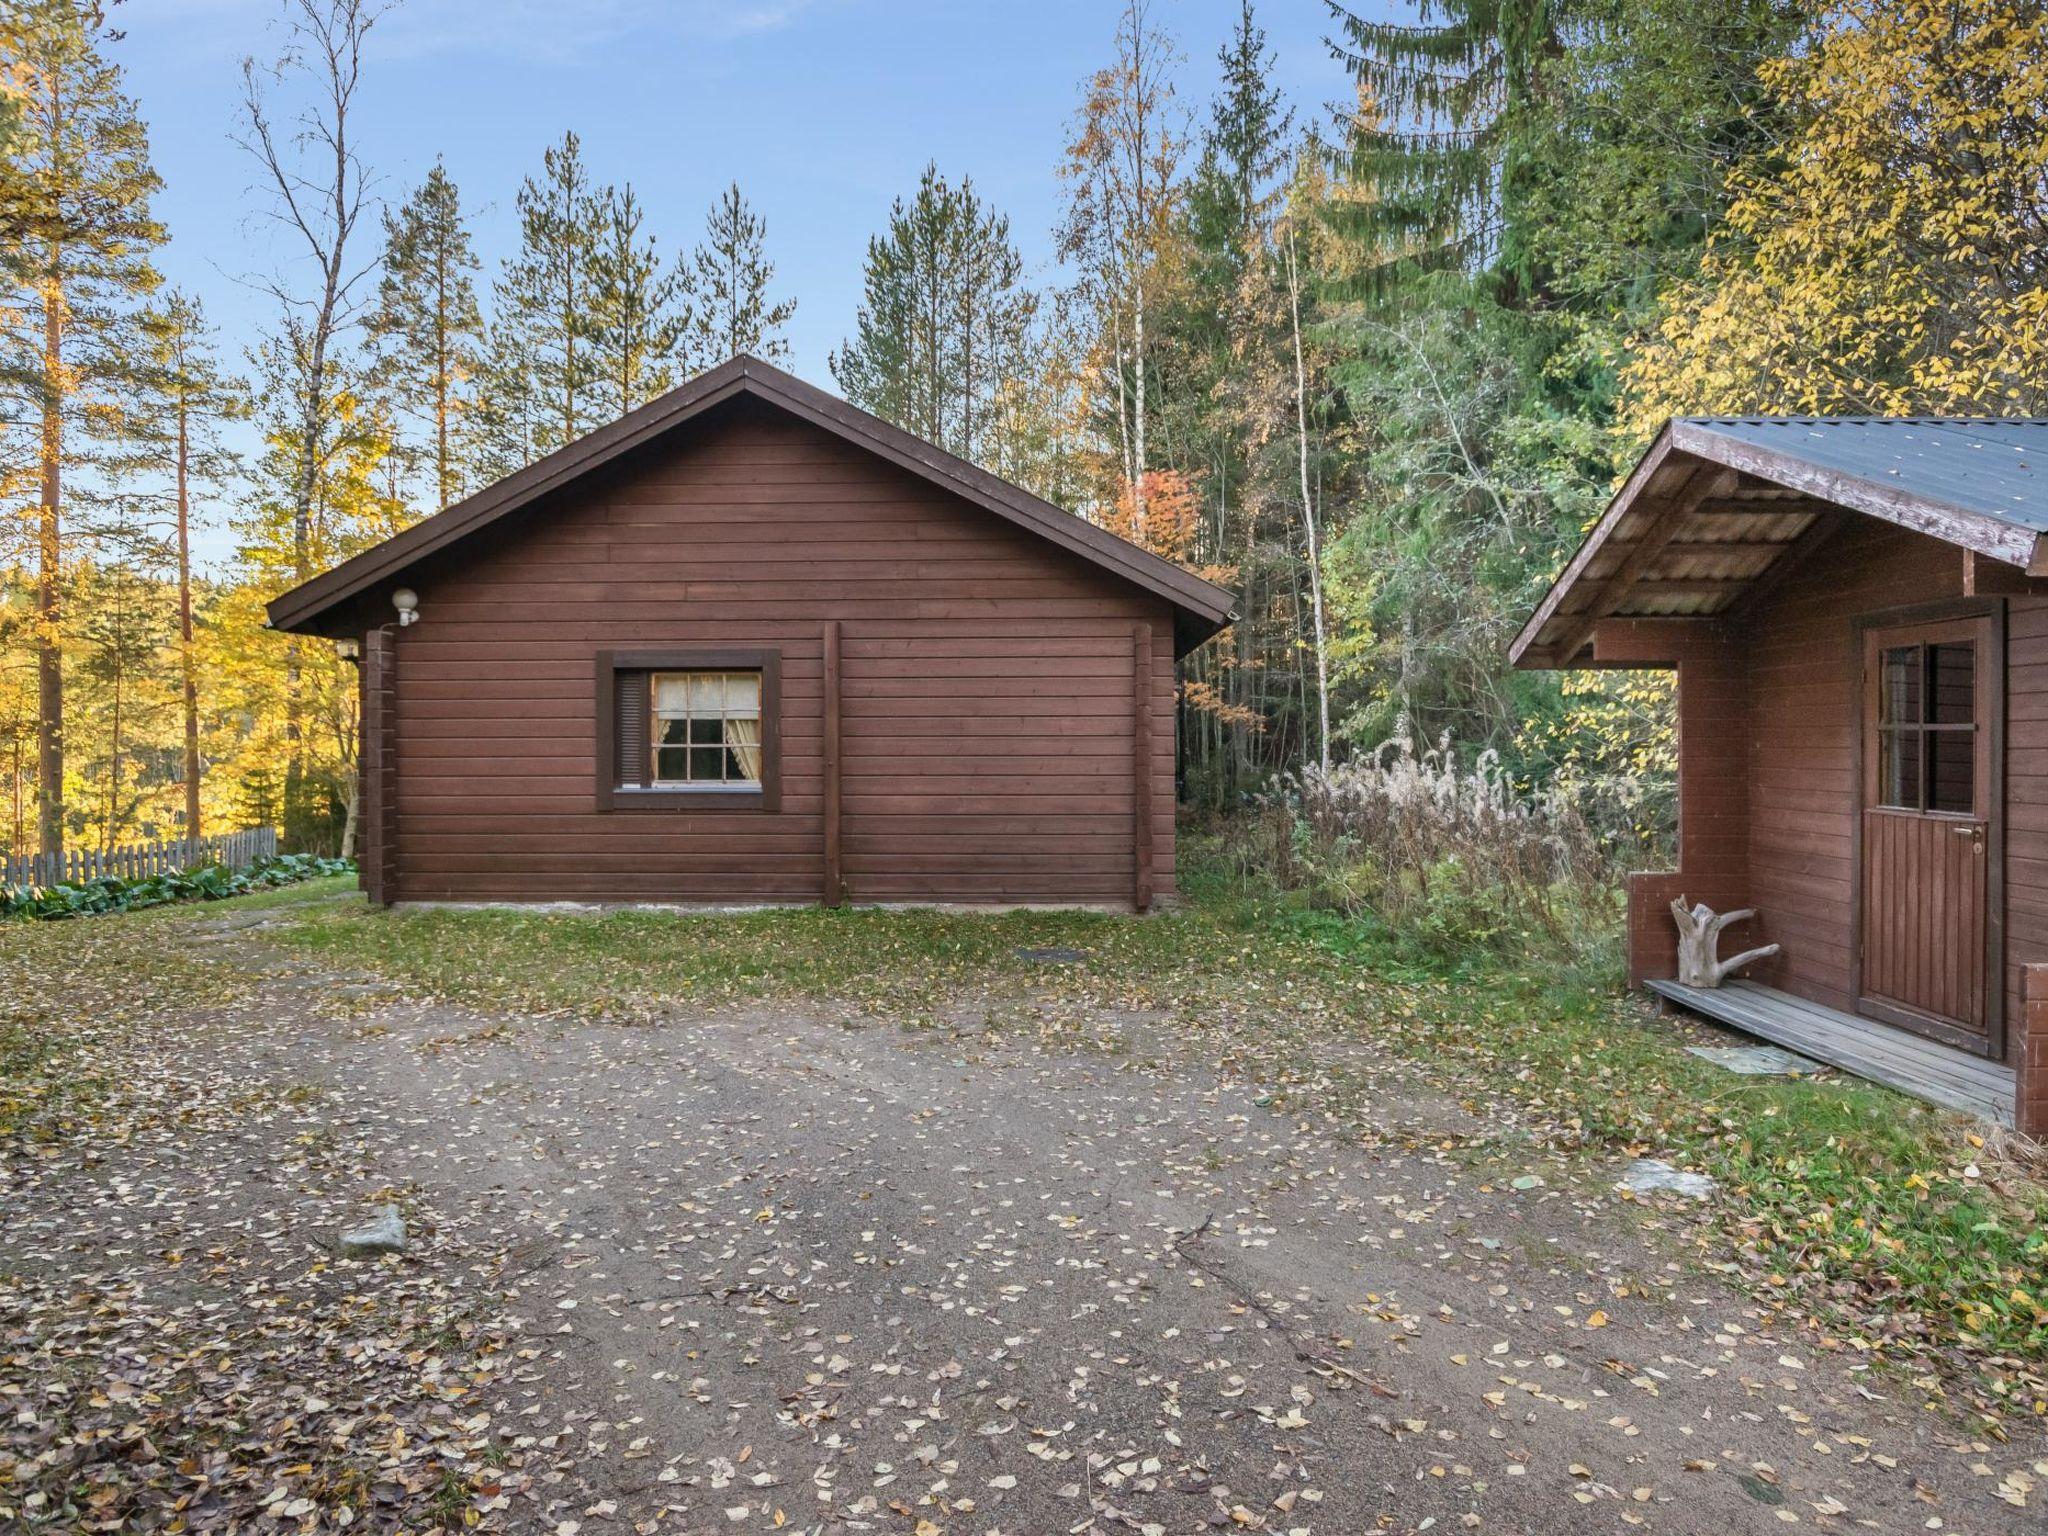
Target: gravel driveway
x=775 y=1269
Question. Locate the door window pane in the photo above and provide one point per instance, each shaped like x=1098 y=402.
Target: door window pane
x=1899 y=686
x=1898 y=768
x=1951 y=684
x=1951 y=772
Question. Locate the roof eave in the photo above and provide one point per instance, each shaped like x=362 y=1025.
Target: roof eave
x=1696 y=438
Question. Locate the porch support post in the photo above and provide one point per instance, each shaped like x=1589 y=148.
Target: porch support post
x=834 y=892
x=1713 y=781
x=2030 y=1059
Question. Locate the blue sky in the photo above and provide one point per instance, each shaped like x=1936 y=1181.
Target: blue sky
x=823 y=110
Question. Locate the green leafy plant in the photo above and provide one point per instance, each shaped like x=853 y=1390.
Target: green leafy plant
x=203 y=882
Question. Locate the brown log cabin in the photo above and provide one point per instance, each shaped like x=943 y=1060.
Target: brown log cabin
x=1857 y=614
x=749 y=645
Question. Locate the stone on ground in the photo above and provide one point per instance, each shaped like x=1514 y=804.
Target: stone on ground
x=1648 y=1175
x=384 y=1232
x=1757 y=1060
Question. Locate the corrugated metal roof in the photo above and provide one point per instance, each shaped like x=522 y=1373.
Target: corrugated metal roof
x=1670 y=545
x=1996 y=468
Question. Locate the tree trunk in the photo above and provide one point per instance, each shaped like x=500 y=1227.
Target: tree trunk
x=348 y=825
x=443 y=384
x=1308 y=512
x=190 y=681
x=113 y=834
x=1138 y=408
x=1699 y=936
x=50 y=573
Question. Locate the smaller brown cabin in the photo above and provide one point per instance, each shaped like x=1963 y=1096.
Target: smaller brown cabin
x=750 y=645
x=1857 y=613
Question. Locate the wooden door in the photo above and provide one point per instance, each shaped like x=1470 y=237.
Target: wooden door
x=1931 y=710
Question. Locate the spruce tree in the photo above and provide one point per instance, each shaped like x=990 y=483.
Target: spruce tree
x=74 y=268
x=1454 y=104
x=729 y=277
x=1238 y=183
x=428 y=327
x=639 y=312
x=541 y=342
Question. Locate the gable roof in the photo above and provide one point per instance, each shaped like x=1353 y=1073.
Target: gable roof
x=1719 y=508
x=1200 y=607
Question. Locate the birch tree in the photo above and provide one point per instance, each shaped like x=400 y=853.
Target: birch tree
x=318 y=194
x=1122 y=170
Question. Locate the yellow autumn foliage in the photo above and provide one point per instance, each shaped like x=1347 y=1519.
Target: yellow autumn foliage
x=1885 y=259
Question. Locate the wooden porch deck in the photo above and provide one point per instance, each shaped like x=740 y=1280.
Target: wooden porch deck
x=1951 y=1078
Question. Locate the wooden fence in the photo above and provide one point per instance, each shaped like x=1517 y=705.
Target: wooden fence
x=235 y=850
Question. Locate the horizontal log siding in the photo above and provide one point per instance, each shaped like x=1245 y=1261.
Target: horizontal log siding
x=1805 y=716
x=985 y=698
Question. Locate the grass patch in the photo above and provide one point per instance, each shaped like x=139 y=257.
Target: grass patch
x=1888 y=1220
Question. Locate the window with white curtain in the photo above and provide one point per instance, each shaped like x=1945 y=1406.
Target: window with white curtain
x=706 y=729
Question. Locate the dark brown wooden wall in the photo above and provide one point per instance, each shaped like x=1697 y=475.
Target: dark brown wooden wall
x=1796 y=679
x=986 y=696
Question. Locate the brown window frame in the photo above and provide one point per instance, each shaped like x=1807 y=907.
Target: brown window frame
x=612 y=795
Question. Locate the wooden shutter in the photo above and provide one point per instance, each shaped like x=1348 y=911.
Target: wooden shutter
x=629 y=716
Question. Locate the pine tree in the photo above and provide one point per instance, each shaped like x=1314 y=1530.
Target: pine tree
x=639 y=312
x=945 y=320
x=541 y=340
x=514 y=424
x=75 y=264
x=427 y=326
x=188 y=400
x=729 y=278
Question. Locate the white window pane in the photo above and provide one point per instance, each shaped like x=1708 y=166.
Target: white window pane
x=704 y=693
x=743 y=693
x=671 y=693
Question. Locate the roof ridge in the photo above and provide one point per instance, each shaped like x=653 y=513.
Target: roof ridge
x=1205 y=605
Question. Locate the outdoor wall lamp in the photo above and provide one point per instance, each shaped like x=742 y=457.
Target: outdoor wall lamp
x=348 y=649
x=407 y=602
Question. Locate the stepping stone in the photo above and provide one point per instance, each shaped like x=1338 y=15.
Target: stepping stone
x=1054 y=956
x=1756 y=1060
x=1648 y=1175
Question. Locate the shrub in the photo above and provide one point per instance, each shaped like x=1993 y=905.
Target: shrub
x=1449 y=858
x=203 y=882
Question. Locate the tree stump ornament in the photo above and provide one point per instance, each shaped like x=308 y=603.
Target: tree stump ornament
x=1699 y=937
